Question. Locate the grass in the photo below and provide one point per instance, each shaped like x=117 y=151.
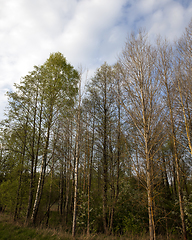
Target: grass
x=10 y=230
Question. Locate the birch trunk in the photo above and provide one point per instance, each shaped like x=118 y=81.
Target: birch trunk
x=105 y=161
x=165 y=64
x=76 y=164
x=182 y=215
x=90 y=172
x=187 y=128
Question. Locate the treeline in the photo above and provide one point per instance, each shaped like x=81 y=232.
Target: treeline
x=116 y=160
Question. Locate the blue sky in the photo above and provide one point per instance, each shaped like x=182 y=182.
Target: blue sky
x=87 y=32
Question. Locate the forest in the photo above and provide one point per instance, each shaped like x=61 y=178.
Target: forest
x=112 y=158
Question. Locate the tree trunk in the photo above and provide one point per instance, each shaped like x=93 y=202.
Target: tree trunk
x=182 y=215
x=31 y=187
x=165 y=64
x=105 y=163
x=165 y=178
x=32 y=181
x=21 y=171
x=187 y=127
x=77 y=152
x=50 y=192
x=42 y=173
x=90 y=172
x=150 y=201
x=61 y=190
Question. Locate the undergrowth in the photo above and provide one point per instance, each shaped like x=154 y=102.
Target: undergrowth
x=10 y=230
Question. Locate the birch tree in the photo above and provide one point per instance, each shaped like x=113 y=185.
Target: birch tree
x=182 y=73
x=166 y=73
x=77 y=152
x=141 y=98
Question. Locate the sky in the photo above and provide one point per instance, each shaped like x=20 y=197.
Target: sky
x=87 y=32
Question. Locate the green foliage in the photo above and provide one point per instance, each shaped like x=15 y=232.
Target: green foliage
x=188 y=213
x=95 y=221
x=8 y=193
x=131 y=211
x=8 y=190
x=82 y=212
x=131 y=224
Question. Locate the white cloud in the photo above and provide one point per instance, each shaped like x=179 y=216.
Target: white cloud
x=160 y=17
x=87 y=32
x=169 y=21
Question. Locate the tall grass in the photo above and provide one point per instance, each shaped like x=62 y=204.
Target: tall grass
x=10 y=230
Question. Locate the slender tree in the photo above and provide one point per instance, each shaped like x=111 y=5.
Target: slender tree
x=60 y=80
x=77 y=152
x=141 y=97
x=165 y=70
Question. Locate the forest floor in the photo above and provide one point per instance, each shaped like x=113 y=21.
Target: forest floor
x=11 y=230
